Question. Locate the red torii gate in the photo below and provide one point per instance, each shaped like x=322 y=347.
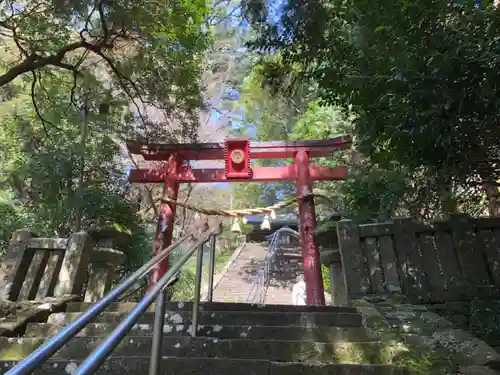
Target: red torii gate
x=237 y=154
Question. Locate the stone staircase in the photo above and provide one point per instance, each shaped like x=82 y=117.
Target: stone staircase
x=236 y=284
x=289 y=263
x=233 y=338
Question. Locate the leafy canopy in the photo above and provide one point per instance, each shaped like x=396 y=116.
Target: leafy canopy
x=421 y=77
x=141 y=55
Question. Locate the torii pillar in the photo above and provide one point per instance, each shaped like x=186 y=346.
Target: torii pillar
x=237 y=154
x=307 y=219
x=166 y=217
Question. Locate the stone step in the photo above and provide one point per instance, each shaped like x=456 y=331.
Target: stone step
x=282 y=351
x=203 y=366
x=323 y=334
x=239 y=318
x=217 y=306
x=236 y=284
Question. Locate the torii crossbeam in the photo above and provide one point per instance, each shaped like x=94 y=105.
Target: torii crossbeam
x=237 y=154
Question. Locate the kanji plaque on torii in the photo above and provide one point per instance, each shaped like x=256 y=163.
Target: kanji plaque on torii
x=237 y=154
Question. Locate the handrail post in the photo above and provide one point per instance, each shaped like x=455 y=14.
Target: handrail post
x=156 y=349
x=97 y=357
x=211 y=269
x=197 y=291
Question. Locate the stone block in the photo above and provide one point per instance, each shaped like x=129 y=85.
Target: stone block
x=476 y=370
x=461 y=321
x=221 y=306
x=485 y=320
x=140 y=366
x=231 y=318
x=309 y=369
x=74 y=267
x=104 y=263
x=457 y=307
x=31 y=311
x=15 y=265
x=273 y=350
x=222 y=332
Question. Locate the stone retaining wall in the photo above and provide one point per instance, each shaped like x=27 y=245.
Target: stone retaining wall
x=450 y=267
x=479 y=317
x=82 y=265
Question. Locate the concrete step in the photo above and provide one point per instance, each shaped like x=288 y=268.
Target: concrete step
x=239 y=318
x=323 y=334
x=203 y=366
x=282 y=351
x=217 y=306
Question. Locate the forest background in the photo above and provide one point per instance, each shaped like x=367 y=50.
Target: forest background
x=417 y=85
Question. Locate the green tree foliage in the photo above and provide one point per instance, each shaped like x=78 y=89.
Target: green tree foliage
x=377 y=188
x=421 y=80
x=273 y=118
x=76 y=79
x=62 y=179
x=138 y=54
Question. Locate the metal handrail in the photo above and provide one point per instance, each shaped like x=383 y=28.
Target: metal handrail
x=261 y=282
x=95 y=359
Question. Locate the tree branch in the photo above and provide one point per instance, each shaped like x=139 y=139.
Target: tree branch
x=34 y=62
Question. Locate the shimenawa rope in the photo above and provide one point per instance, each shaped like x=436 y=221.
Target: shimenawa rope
x=243 y=212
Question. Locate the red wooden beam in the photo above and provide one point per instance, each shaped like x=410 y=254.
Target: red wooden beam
x=263 y=174
x=258 y=150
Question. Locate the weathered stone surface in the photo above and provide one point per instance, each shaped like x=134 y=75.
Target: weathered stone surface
x=15 y=265
x=203 y=366
x=474 y=350
x=276 y=340
x=325 y=234
x=48 y=243
x=22 y=313
x=50 y=275
x=476 y=370
x=485 y=320
x=110 y=237
x=434 y=333
x=337 y=284
x=231 y=318
x=108 y=256
x=100 y=279
x=457 y=307
x=329 y=256
x=34 y=275
x=14 y=348
x=74 y=266
x=274 y=350
x=220 y=306
x=356 y=275
x=373 y=319
x=408 y=320
x=291 y=333
x=7 y=308
x=307 y=369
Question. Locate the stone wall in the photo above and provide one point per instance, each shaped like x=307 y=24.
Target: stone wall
x=451 y=267
x=82 y=265
x=479 y=317
x=428 y=343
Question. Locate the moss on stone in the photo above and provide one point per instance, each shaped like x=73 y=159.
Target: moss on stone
x=352 y=353
x=16 y=349
x=325 y=234
x=424 y=363
x=485 y=320
x=431 y=349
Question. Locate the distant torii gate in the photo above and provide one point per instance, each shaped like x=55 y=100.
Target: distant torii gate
x=237 y=154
